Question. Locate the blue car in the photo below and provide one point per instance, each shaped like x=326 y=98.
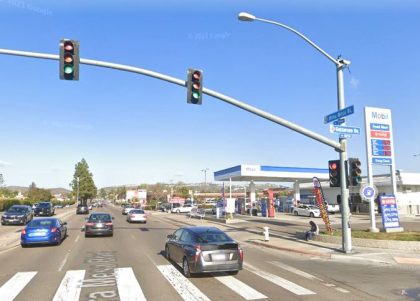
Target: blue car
x=43 y=231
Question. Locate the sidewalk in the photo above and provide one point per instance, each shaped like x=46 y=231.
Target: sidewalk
x=242 y=231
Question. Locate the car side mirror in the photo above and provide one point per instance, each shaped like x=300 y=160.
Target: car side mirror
x=170 y=236
x=112 y=217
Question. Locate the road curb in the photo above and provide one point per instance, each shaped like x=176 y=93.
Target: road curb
x=300 y=251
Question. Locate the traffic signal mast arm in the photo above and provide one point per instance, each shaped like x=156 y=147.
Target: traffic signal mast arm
x=340 y=147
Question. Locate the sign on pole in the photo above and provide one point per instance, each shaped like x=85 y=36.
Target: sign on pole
x=339 y=114
x=349 y=130
x=389 y=210
x=379 y=144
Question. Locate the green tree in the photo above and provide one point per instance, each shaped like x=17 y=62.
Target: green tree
x=83 y=182
x=102 y=193
x=121 y=192
x=38 y=194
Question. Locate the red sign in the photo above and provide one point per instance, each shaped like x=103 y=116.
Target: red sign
x=380 y=134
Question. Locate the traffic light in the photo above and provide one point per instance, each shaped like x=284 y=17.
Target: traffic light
x=69 y=59
x=334 y=172
x=355 y=172
x=195 y=86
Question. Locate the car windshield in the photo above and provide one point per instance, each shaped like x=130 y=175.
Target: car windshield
x=16 y=210
x=44 y=205
x=209 y=237
x=41 y=223
x=99 y=217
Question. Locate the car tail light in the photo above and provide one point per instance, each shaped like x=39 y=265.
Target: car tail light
x=53 y=230
x=108 y=224
x=241 y=253
x=89 y=224
x=23 y=232
x=197 y=252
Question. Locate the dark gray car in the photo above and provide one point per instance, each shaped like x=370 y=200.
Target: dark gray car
x=99 y=224
x=204 y=250
x=17 y=215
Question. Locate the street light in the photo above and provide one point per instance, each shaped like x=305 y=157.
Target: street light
x=205 y=170
x=340 y=65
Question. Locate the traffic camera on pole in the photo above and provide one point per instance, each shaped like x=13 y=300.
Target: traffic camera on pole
x=334 y=172
x=355 y=172
x=69 y=59
x=195 y=86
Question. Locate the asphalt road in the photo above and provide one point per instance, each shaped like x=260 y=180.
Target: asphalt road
x=131 y=266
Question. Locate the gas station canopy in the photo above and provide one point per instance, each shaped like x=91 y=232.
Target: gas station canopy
x=263 y=173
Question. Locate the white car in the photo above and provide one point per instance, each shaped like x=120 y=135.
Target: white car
x=182 y=209
x=307 y=210
x=137 y=215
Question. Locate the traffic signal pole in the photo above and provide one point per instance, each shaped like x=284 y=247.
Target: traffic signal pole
x=338 y=146
x=345 y=210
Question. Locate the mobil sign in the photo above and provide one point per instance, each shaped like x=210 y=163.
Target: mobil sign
x=379 y=137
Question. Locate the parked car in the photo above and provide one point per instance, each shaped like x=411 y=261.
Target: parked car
x=186 y=208
x=137 y=215
x=204 y=250
x=82 y=209
x=17 y=214
x=99 y=224
x=126 y=208
x=165 y=207
x=333 y=208
x=45 y=209
x=43 y=231
x=307 y=210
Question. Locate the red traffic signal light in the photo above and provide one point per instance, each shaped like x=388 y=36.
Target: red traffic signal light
x=69 y=59
x=195 y=86
x=334 y=173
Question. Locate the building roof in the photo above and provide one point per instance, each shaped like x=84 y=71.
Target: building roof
x=264 y=173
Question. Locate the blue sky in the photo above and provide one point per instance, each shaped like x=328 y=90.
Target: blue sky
x=134 y=129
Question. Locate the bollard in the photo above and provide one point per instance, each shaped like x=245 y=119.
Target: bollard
x=266 y=234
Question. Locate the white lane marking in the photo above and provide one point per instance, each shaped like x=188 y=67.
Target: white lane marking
x=329 y=284
x=77 y=238
x=286 y=284
x=185 y=288
x=295 y=270
x=64 y=261
x=342 y=290
x=13 y=287
x=70 y=286
x=242 y=289
x=128 y=286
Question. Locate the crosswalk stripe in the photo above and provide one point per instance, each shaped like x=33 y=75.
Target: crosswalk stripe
x=128 y=286
x=70 y=286
x=247 y=292
x=286 y=284
x=295 y=270
x=185 y=288
x=15 y=285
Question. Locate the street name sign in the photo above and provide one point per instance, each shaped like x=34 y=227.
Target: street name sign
x=349 y=130
x=339 y=114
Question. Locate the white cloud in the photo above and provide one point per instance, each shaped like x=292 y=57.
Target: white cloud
x=354 y=82
x=3 y=163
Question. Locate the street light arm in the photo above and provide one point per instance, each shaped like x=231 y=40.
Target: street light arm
x=336 y=62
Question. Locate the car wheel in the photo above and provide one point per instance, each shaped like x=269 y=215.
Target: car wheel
x=167 y=255
x=25 y=221
x=311 y=214
x=233 y=272
x=296 y=213
x=186 y=268
x=59 y=241
x=178 y=211
x=24 y=245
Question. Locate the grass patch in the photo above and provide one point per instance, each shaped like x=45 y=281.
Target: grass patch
x=403 y=236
